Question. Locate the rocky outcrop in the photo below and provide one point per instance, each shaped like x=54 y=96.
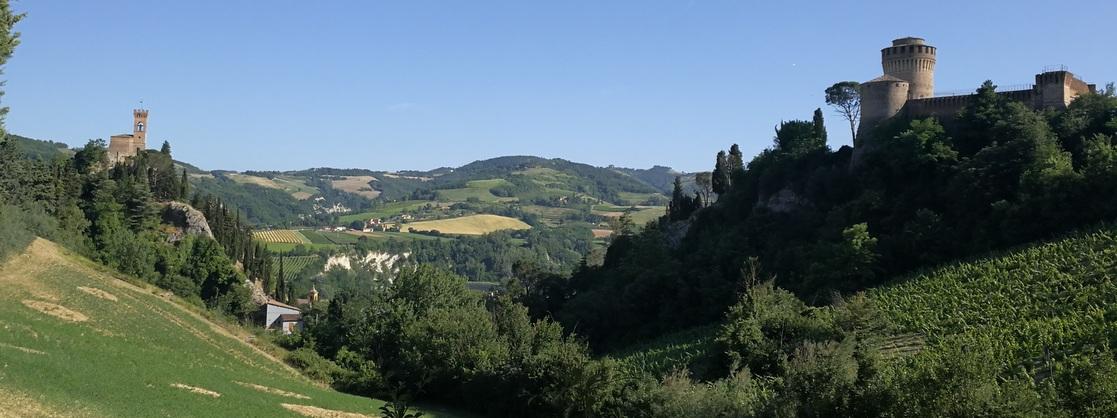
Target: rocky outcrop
x=783 y=201
x=191 y=221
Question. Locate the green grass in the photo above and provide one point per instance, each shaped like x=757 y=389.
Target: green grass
x=629 y=198
x=404 y=236
x=329 y=237
x=552 y=216
x=123 y=359
x=282 y=247
x=385 y=211
x=294 y=186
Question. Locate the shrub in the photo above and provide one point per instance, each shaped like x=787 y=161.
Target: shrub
x=314 y=366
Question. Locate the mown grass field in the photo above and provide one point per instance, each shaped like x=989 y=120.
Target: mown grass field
x=470 y=225
x=281 y=236
x=386 y=210
x=79 y=342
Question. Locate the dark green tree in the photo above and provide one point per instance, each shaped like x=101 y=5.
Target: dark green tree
x=720 y=181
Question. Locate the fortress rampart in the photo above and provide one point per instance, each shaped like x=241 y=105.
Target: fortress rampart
x=909 y=80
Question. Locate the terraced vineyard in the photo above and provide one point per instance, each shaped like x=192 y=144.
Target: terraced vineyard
x=281 y=236
x=293 y=265
x=1056 y=297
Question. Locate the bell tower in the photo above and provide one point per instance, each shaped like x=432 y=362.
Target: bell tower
x=139 y=128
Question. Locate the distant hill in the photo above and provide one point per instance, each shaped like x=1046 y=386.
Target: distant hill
x=660 y=177
x=80 y=341
x=40 y=149
x=276 y=198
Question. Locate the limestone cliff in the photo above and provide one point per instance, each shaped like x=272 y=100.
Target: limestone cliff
x=191 y=221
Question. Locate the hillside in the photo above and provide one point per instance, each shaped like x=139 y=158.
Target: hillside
x=79 y=341
x=1054 y=297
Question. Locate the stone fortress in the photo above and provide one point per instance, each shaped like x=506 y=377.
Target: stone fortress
x=127 y=145
x=908 y=85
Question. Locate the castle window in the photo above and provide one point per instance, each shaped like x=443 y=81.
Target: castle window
x=140 y=127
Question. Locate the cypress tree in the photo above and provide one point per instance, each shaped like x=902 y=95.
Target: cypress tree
x=720 y=180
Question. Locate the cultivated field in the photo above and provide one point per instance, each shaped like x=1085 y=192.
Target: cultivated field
x=330 y=237
x=476 y=189
x=358 y=185
x=79 y=342
x=470 y=225
x=296 y=187
x=281 y=236
x=293 y=265
x=386 y=210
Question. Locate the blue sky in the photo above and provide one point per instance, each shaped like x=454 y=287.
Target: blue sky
x=421 y=84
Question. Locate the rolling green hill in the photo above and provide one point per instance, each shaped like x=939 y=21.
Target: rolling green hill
x=79 y=341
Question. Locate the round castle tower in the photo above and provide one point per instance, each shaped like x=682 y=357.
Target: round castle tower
x=909 y=73
x=911 y=59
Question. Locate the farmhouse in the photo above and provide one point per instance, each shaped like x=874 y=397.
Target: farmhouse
x=281 y=316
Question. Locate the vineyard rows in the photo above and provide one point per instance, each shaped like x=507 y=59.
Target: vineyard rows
x=281 y=236
x=1052 y=297
x=293 y=265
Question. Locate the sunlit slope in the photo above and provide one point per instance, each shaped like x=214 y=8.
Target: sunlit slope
x=1049 y=299
x=76 y=341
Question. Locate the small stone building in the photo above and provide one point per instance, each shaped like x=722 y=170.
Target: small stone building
x=281 y=316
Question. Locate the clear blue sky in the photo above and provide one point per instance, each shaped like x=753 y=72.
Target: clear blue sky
x=421 y=84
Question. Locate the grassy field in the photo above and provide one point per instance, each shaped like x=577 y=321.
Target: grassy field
x=478 y=189
x=358 y=185
x=552 y=216
x=329 y=237
x=384 y=236
x=296 y=187
x=470 y=225
x=387 y=210
x=80 y=342
x=280 y=236
x=636 y=198
x=640 y=215
x=282 y=247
